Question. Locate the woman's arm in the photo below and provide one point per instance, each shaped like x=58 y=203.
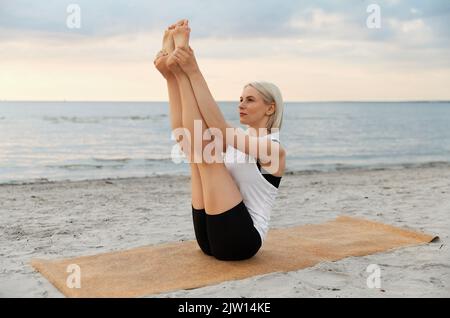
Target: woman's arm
x=205 y=100
x=262 y=148
x=208 y=107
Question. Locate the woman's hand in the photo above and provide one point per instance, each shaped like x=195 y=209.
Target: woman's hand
x=186 y=60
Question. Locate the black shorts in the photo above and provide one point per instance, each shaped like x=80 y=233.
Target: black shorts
x=229 y=236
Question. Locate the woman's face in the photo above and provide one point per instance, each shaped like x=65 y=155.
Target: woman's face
x=253 y=111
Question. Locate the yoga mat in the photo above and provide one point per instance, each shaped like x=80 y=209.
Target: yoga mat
x=181 y=265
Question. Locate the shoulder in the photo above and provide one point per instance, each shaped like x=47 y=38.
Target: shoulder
x=282 y=151
x=275 y=137
x=277 y=164
x=282 y=162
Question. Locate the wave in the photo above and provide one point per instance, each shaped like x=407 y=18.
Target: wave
x=372 y=167
x=151 y=163
x=74 y=167
x=27 y=181
x=83 y=168
x=162 y=159
x=131 y=160
x=124 y=160
x=99 y=119
x=111 y=163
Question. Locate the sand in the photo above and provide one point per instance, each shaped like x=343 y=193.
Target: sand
x=65 y=219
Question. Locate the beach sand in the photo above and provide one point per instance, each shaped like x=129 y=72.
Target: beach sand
x=64 y=219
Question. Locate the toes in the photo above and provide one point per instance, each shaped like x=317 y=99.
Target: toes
x=182 y=22
x=183 y=28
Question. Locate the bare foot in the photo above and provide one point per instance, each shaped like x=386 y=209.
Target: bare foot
x=168 y=43
x=181 y=34
x=161 y=64
x=180 y=22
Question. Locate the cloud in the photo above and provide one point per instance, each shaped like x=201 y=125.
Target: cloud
x=414 y=35
x=234 y=19
x=213 y=18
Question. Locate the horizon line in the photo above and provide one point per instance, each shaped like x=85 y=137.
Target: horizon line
x=232 y=101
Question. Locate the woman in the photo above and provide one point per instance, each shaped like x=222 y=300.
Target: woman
x=231 y=200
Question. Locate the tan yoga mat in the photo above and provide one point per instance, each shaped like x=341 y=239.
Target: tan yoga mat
x=161 y=268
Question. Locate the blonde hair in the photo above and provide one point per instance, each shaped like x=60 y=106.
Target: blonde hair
x=271 y=94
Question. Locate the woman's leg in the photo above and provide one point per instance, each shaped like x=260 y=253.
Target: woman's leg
x=220 y=192
x=176 y=119
x=230 y=235
x=176 y=109
x=198 y=206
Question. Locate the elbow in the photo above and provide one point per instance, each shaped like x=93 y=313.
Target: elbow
x=282 y=153
x=279 y=155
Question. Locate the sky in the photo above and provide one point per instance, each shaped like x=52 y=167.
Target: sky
x=312 y=50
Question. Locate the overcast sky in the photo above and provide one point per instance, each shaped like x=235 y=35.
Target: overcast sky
x=313 y=50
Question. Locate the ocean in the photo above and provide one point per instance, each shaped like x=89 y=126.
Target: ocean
x=95 y=140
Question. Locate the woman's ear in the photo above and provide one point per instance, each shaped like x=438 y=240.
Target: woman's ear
x=271 y=109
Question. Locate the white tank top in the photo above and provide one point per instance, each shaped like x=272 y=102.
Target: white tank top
x=257 y=193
